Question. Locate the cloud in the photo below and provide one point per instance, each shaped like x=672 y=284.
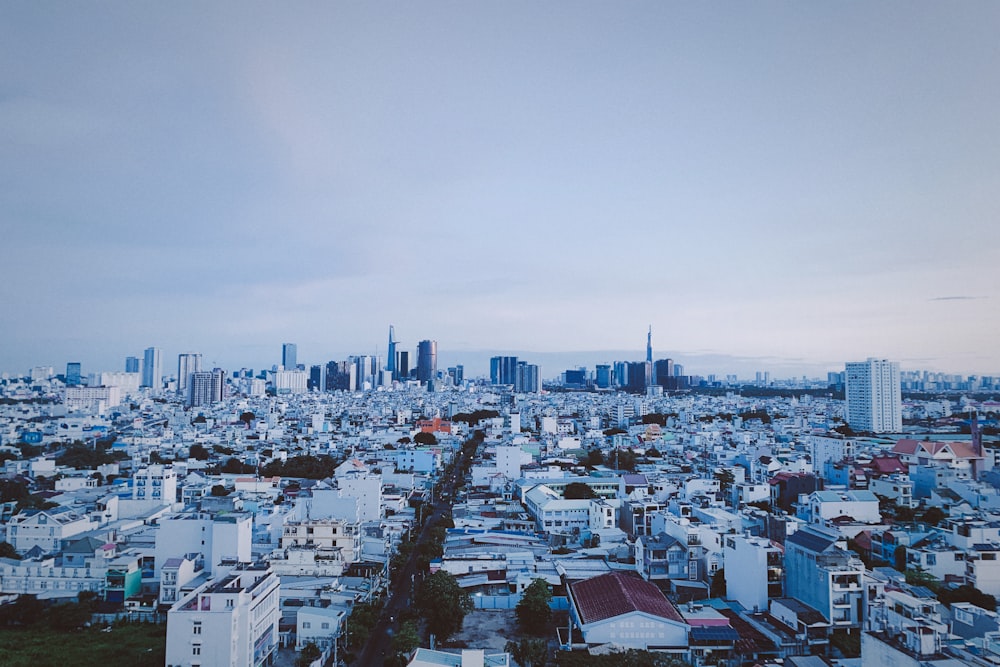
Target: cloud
x=957 y=298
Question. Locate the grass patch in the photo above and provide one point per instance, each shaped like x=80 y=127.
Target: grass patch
x=141 y=645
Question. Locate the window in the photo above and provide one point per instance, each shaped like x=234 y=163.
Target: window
x=325 y=626
x=196 y=649
x=197 y=628
x=306 y=625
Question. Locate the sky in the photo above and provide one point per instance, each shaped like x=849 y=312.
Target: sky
x=770 y=185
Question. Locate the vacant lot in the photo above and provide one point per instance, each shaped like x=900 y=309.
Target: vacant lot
x=132 y=645
x=487 y=629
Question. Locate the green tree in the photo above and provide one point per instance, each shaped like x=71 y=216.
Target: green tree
x=198 y=452
x=533 y=611
x=425 y=438
x=234 y=466
x=247 y=417
x=967 y=593
x=528 y=652
x=719 y=584
x=406 y=638
x=443 y=604
x=219 y=491
x=592 y=458
x=933 y=516
x=309 y=654
x=578 y=491
x=726 y=479
x=7 y=551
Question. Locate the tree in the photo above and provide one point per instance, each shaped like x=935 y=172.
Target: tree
x=198 y=452
x=578 y=491
x=719 y=584
x=726 y=478
x=425 y=438
x=967 y=593
x=533 y=611
x=7 y=551
x=308 y=655
x=443 y=604
x=234 y=466
x=528 y=652
x=406 y=638
x=247 y=417
x=592 y=458
x=220 y=491
x=933 y=516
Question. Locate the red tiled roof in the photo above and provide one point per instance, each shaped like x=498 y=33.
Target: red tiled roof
x=617 y=593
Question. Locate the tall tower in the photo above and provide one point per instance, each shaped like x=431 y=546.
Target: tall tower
x=874 y=396
x=73 y=378
x=152 y=371
x=649 y=345
x=187 y=363
x=427 y=351
x=289 y=356
x=131 y=364
x=391 y=354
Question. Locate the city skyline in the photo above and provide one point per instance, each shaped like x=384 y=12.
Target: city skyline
x=768 y=186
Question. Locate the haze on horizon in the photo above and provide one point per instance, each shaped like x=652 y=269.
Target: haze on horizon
x=799 y=184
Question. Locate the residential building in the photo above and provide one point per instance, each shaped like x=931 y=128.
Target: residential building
x=755 y=570
x=231 y=620
x=152 y=371
x=622 y=608
x=874 y=398
x=821 y=573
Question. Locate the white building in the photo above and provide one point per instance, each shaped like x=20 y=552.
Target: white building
x=93 y=399
x=225 y=537
x=45 y=529
x=232 y=620
x=874 y=398
x=318 y=625
x=754 y=570
x=156 y=484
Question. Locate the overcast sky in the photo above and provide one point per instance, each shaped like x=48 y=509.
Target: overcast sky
x=797 y=184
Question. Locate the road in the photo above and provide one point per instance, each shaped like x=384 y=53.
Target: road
x=400 y=592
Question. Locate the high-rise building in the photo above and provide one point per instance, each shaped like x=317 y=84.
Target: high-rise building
x=73 y=374
x=638 y=376
x=649 y=345
x=503 y=370
x=457 y=374
x=402 y=364
x=874 y=396
x=390 y=356
x=289 y=356
x=526 y=378
x=663 y=373
x=603 y=376
x=317 y=377
x=205 y=388
x=427 y=351
x=187 y=363
x=131 y=364
x=152 y=372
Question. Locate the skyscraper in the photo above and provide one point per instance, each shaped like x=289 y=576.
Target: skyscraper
x=427 y=352
x=526 y=378
x=205 y=388
x=874 y=396
x=187 y=363
x=131 y=364
x=649 y=345
x=152 y=372
x=289 y=356
x=503 y=370
x=402 y=364
x=391 y=354
x=73 y=374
